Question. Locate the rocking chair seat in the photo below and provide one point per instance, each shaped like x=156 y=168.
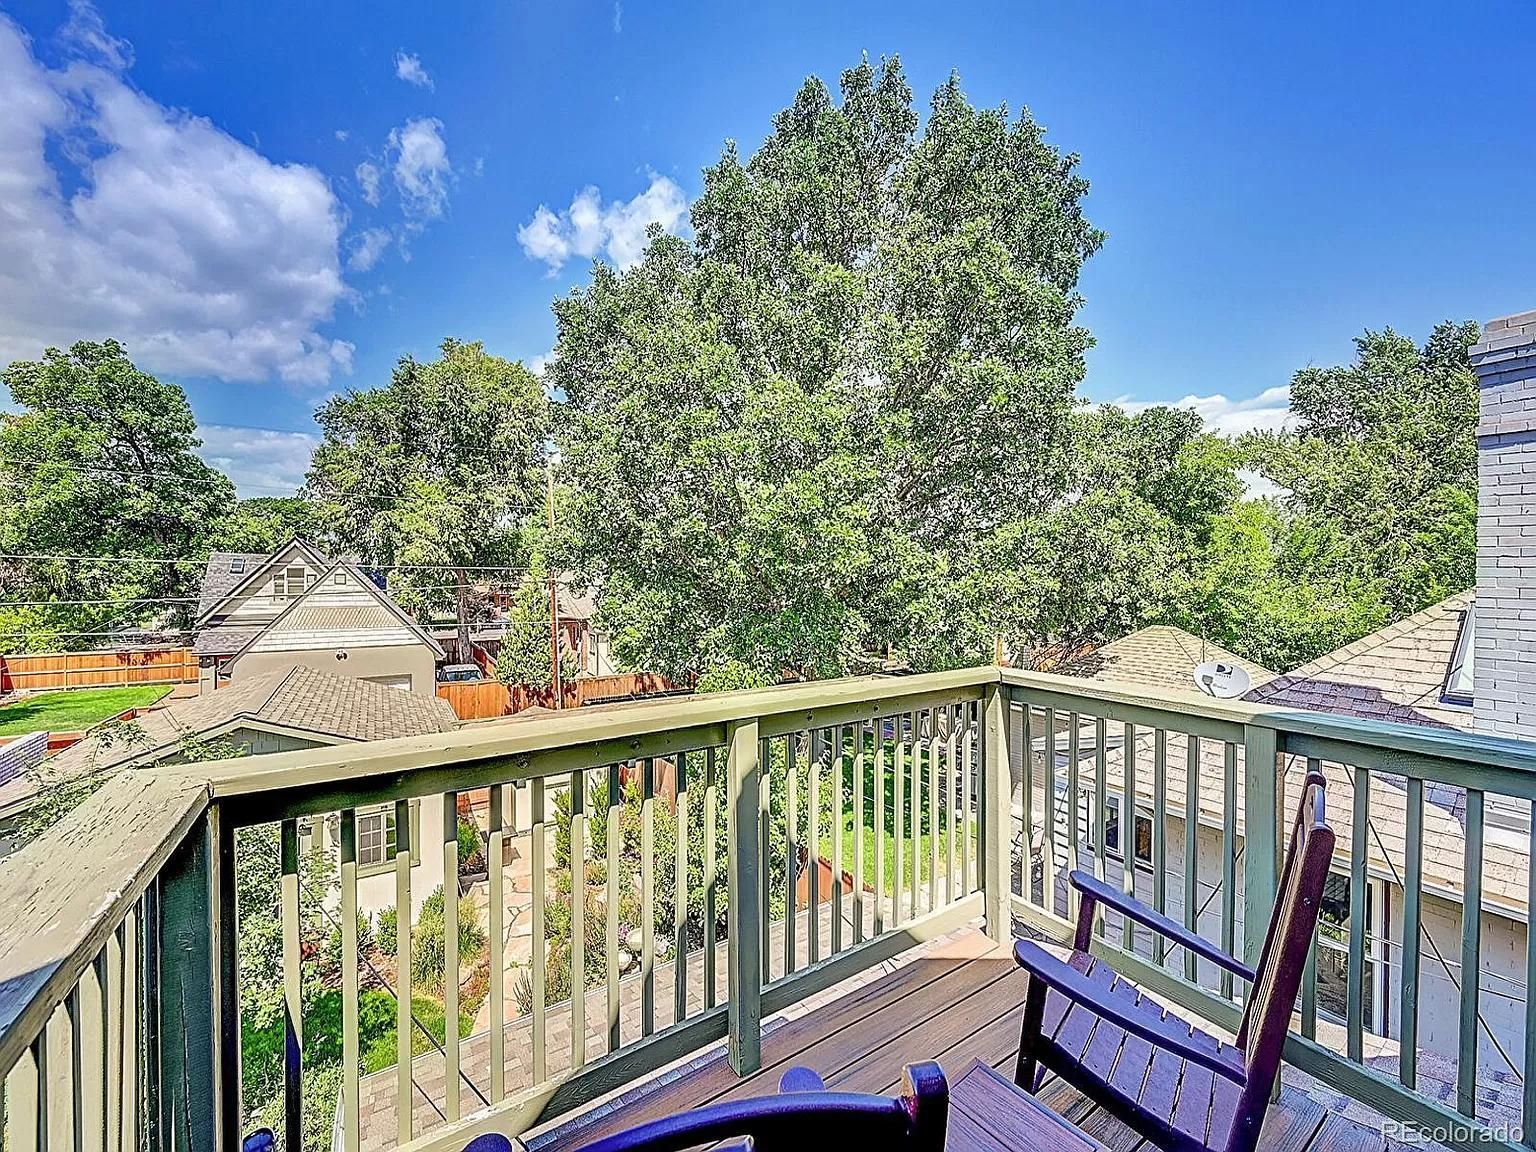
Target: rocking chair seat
x=1103 y=1034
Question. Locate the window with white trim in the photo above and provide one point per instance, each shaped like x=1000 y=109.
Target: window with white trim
x=290 y=582
x=1333 y=951
x=1142 y=848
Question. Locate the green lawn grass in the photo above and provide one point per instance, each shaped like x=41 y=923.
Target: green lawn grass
x=74 y=711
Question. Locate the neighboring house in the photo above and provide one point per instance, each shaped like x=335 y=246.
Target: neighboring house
x=279 y=711
x=1160 y=657
x=296 y=606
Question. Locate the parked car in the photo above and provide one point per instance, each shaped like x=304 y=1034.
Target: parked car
x=458 y=673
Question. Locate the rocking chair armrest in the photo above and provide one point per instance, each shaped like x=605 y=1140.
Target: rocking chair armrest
x=1174 y=1039
x=1102 y=893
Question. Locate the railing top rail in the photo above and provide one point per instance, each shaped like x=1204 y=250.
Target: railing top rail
x=1406 y=747
x=69 y=889
x=808 y=705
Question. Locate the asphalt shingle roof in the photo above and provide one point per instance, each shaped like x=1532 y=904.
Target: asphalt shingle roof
x=1161 y=656
x=219 y=581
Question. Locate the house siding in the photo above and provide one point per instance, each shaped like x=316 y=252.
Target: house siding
x=361 y=663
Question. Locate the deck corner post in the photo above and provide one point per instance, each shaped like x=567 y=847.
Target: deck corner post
x=996 y=813
x=199 y=1103
x=744 y=943
x=1261 y=827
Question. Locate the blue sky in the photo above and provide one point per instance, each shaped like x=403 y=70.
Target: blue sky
x=272 y=202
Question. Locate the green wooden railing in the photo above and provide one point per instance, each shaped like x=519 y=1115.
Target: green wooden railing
x=934 y=800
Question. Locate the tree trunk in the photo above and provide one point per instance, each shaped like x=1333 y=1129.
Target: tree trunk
x=465 y=653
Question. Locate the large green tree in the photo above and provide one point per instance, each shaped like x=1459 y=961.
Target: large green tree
x=439 y=472
x=101 y=461
x=854 y=378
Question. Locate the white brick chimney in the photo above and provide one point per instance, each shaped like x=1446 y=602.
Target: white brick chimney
x=1504 y=652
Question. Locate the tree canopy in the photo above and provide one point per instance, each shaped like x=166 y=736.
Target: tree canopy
x=786 y=436
x=439 y=471
x=101 y=461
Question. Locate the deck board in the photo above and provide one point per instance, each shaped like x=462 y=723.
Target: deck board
x=953 y=1009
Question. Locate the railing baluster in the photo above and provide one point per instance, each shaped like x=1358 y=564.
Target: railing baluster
x=1413 y=889
x=915 y=805
x=933 y=812
x=1355 y=978
x=744 y=1010
x=647 y=896
x=680 y=892
x=1128 y=831
x=496 y=913
x=26 y=1114
x=813 y=856
x=899 y=772
x=1229 y=863
x=578 y=921
x=879 y=788
x=1100 y=805
x=405 y=848
x=1191 y=849
x=837 y=840
x=1074 y=788
x=858 y=834
x=538 y=845
x=451 y=949
x=115 y=1008
x=91 y=1055
x=764 y=833
x=351 y=1122
x=59 y=1079
x=611 y=894
x=293 y=995
x=1027 y=802
x=1471 y=947
x=791 y=847
x=1048 y=817
x=132 y=1031
x=951 y=747
x=1159 y=835
x=967 y=793
x=711 y=865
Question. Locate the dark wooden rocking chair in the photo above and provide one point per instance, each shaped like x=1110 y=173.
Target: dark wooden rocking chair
x=1182 y=1089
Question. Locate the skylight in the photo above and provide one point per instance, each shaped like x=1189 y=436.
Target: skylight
x=1459 y=675
x=237 y=565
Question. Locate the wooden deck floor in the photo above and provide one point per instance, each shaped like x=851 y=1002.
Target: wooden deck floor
x=956 y=1003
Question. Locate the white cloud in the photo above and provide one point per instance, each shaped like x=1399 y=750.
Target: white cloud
x=1270 y=410
x=588 y=226
x=421 y=168
x=260 y=462
x=368 y=177
x=618 y=16
x=123 y=218
x=408 y=68
x=367 y=249
x=342 y=134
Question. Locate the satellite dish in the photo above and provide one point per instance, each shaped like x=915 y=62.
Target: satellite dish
x=1222 y=680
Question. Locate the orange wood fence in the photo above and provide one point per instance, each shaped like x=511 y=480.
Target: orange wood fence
x=104 y=669
x=487 y=698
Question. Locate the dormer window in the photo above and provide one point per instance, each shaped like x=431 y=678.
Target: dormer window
x=341 y=577
x=237 y=566
x=289 y=582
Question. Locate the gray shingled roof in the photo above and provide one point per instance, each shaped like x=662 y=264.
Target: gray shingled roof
x=225 y=639
x=219 y=581
x=302 y=699
x=1161 y=656
x=1396 y=673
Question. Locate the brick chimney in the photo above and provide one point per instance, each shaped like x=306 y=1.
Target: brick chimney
x=1504 y=639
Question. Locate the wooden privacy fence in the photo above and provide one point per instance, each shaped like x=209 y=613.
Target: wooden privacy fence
x=487 y=699
x=107 y=668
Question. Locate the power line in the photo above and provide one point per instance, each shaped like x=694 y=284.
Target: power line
x=203 y=560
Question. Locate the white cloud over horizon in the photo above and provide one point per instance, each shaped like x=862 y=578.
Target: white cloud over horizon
x=125 y=218
x=408 y=68
x=1269 y=411
x=367 y=248
x=616 y=229
x=260 y=461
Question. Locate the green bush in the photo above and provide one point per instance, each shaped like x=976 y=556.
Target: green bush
x=428 y=953
x=471 y=851
x=389 y=925
x=322 y=1086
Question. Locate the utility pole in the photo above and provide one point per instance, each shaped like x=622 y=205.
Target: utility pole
x=554 y=602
